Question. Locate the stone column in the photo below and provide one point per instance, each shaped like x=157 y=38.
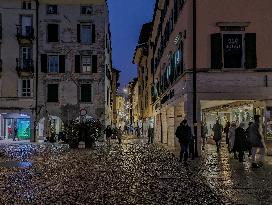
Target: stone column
x=171 y=126
x=164 y=126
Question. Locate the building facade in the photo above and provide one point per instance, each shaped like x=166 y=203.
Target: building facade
x=228 y=47
x=145 y=78
x=18 y=60
x=64 y=55
x=114 y=100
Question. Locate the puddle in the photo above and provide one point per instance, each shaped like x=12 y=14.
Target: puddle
x=14 y=164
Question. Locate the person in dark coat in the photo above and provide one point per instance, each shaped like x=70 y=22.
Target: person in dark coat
x=184 y=135
x=108 y=131
x=257 y=142
x=249 y=146
x=226 y=131
x=240 y=143
x=217 y=134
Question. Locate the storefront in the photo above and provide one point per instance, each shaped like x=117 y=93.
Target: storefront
x=15 y=125
x=46 y=127
x=232 y=111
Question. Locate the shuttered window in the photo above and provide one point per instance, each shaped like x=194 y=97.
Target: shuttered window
x=52 y=93
x=86 y=93
x=53 y=33
x=86 y=33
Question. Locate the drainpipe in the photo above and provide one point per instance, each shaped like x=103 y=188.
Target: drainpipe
x=194 y=77
x=36 y=70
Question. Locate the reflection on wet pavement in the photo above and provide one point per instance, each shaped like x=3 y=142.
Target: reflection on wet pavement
x=131 y=173
x=236 y=181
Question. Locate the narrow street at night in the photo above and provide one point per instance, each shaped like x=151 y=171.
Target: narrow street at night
x=131 y=173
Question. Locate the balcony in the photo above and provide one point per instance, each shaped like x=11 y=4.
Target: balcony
x=25 y=34
x=24 y=66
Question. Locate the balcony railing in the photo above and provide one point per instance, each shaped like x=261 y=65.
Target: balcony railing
x=24 y=65
x=25 y=32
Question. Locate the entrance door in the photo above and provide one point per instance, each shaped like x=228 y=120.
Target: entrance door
x=8 y=123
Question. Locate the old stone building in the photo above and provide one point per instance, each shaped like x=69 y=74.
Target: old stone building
x=145 y=79
x=73 y=64
x=114 y=100
x=18 y=60
x=226 y=44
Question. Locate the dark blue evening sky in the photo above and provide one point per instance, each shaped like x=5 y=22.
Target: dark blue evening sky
x=126 y=19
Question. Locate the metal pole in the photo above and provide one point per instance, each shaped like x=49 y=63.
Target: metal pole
x=194 y=77
x=37 y=69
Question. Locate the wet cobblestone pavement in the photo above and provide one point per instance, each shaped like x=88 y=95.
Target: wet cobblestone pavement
x=131 y=173
x=231 y=179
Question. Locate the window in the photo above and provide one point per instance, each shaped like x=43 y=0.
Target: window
x=52 y=9
x=86 y=93
x=26 y=5
x=52 y=93
x=26 y=26
x=53 y=33
x=233 y=50
x=26 y=89
x=26 y=57
x=53 y=64
x=86 y=10
x=86 y=34
x=86 y=63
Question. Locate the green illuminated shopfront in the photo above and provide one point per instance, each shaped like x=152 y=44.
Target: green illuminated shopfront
x=15 y=124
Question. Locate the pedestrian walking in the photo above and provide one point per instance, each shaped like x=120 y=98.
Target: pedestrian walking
x=226 y=131
x=204 y=132
x=240 y=144
x=15 y=134
x=217 y=134
x=249 y=146
x=232 y=139
x=138 y=131
x=119 y=135
x=256 y=140
x=184 y=135
x=150 y=135
x=108 y=132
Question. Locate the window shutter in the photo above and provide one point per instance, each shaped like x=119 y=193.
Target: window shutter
x=94 y=63
x=93 y=33
x=78 y=33
x=216 y=51
x=250 y=50
x=43 y=63
x=77 y=64
x=62 y=63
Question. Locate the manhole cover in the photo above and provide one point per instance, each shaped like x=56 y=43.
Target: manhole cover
x=11 y=164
